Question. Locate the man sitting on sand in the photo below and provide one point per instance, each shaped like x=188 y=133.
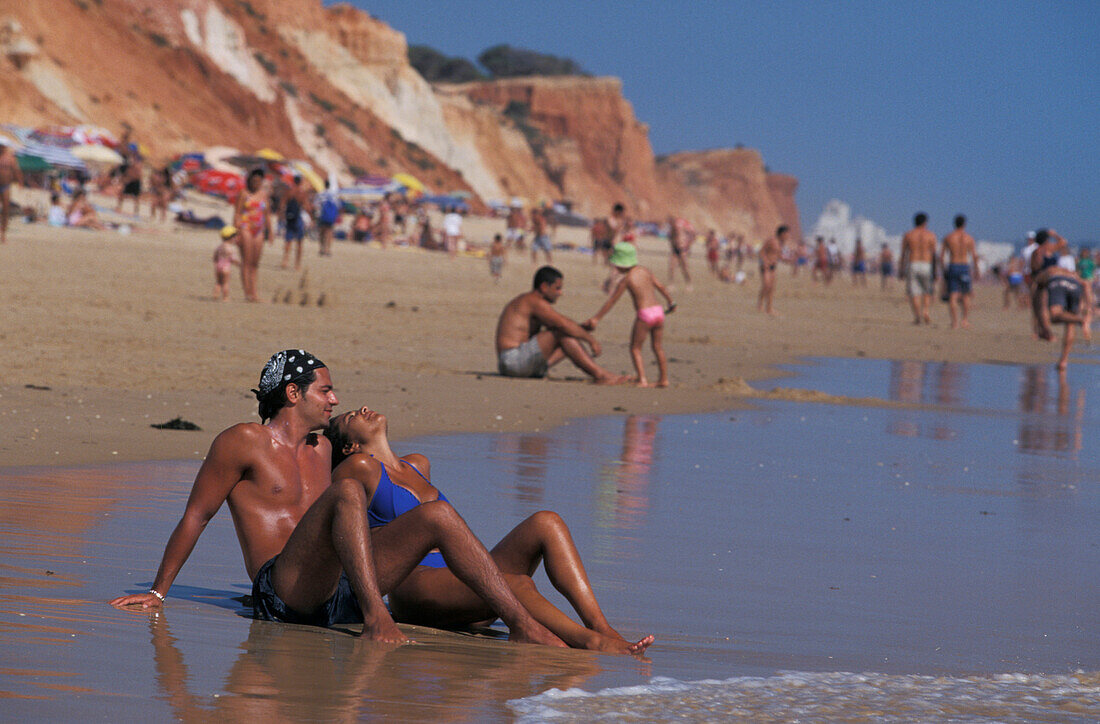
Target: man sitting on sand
x=306 y=540
x=525 y=349
x=918 y=254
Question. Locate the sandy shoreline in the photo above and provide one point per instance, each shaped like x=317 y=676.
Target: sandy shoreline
x=123 y=332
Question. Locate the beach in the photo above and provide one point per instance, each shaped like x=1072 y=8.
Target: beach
x=114 y=332
x=827 y=511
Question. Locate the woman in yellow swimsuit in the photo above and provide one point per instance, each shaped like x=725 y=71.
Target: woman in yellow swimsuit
x=252 y=217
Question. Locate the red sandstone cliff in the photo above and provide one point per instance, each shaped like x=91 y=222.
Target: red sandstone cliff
x=334 y=85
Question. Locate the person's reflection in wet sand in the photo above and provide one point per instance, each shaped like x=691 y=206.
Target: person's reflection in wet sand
x=295 y=673
x=624 y=487
x=530 y=453
x=906 y=385
x=1038 y=432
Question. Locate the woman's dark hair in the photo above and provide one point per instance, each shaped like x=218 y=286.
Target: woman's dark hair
x=273 y=401
x=339 y=441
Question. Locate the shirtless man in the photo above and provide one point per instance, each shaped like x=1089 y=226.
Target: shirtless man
x=131 y=182
x=770 y=254
x=532 y=336
x=917 y=267
x=957 y=257
x=515 y=225
x=10 y=173
x=306 y=540
x=677 y=248
x=540 y=237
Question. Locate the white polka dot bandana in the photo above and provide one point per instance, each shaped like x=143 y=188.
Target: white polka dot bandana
x=285 y=367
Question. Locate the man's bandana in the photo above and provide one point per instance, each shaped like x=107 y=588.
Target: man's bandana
x=285 y=367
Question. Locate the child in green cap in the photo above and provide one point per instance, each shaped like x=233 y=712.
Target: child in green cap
x=643 y=288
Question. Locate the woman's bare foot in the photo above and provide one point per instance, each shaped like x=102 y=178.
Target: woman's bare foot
x=612 y=380
x=642 y=382
x=661 y=383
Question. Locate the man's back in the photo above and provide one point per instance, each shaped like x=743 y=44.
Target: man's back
x=959 y=246
x=920 y=244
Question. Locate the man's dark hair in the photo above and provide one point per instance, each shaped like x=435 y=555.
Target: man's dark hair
x=618 y=208
x=783 y=229
x=273 y=401
x=960 y=221
x=920 y=218
x=1042 y=235
x=338 y=440
x=546 y=275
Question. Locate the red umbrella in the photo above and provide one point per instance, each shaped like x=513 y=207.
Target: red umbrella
x=220 y=183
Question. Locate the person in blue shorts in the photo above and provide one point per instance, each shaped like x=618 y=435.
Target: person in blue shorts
x=957 y=259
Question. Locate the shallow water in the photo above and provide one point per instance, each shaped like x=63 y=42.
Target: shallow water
x=946 y=552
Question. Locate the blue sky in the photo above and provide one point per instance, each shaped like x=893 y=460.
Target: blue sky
x=991 y=108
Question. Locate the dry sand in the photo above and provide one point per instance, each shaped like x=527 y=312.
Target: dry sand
x=107 y=333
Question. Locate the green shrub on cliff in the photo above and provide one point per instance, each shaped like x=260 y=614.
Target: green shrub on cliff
x=504 y=61
x=438 y=68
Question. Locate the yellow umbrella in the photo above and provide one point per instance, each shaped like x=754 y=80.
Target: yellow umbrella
x=311 y=176
x=270 y=155
x=408 y=181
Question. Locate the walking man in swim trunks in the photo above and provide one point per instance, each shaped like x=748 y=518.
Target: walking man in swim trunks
x=131 y=181
x=306 y=540
x=10 y=173
x=540 y=239
x=770 y=254
x=918 y=253
x=532 y=336
x=957 y=257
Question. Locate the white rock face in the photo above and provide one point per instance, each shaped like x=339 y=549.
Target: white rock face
x=398 y=96
x=222 y=40
x=836 y=222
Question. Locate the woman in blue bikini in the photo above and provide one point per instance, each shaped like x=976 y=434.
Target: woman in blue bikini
x=431 y=595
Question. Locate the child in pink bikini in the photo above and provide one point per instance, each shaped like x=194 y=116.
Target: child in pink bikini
x=643 y=288
x=225 y=257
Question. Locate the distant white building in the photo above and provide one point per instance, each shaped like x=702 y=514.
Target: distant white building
x=836 y=222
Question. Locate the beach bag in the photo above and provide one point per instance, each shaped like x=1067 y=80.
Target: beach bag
x=329 y=210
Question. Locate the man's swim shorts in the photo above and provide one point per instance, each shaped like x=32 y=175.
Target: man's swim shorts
x=525 y=360
x=267 y=606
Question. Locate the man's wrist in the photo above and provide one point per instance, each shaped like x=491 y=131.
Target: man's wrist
x=158 y=594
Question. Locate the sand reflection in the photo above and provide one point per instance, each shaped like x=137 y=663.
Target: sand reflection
x=294 y=673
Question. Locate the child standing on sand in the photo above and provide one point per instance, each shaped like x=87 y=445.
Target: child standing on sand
x=225 y=258
x=643 y=287
x=496 y=257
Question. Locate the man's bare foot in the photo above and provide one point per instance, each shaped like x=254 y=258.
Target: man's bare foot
x=385 y=632
x=661 y=383
x=642 y=382
x=928 y=319
x=534 y=633
x=965 y=324
x=612 y=380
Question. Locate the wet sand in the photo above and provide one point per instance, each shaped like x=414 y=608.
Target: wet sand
x=123 y=332
x=928 y=561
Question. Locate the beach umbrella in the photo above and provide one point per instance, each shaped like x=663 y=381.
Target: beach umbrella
x=410 y=182
x=94 y=153
x=31 y=164
x=312 y=177
x=222 y=183
x=268 y=154
x=53 y=155
x=88 y=134
x=61 y=136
